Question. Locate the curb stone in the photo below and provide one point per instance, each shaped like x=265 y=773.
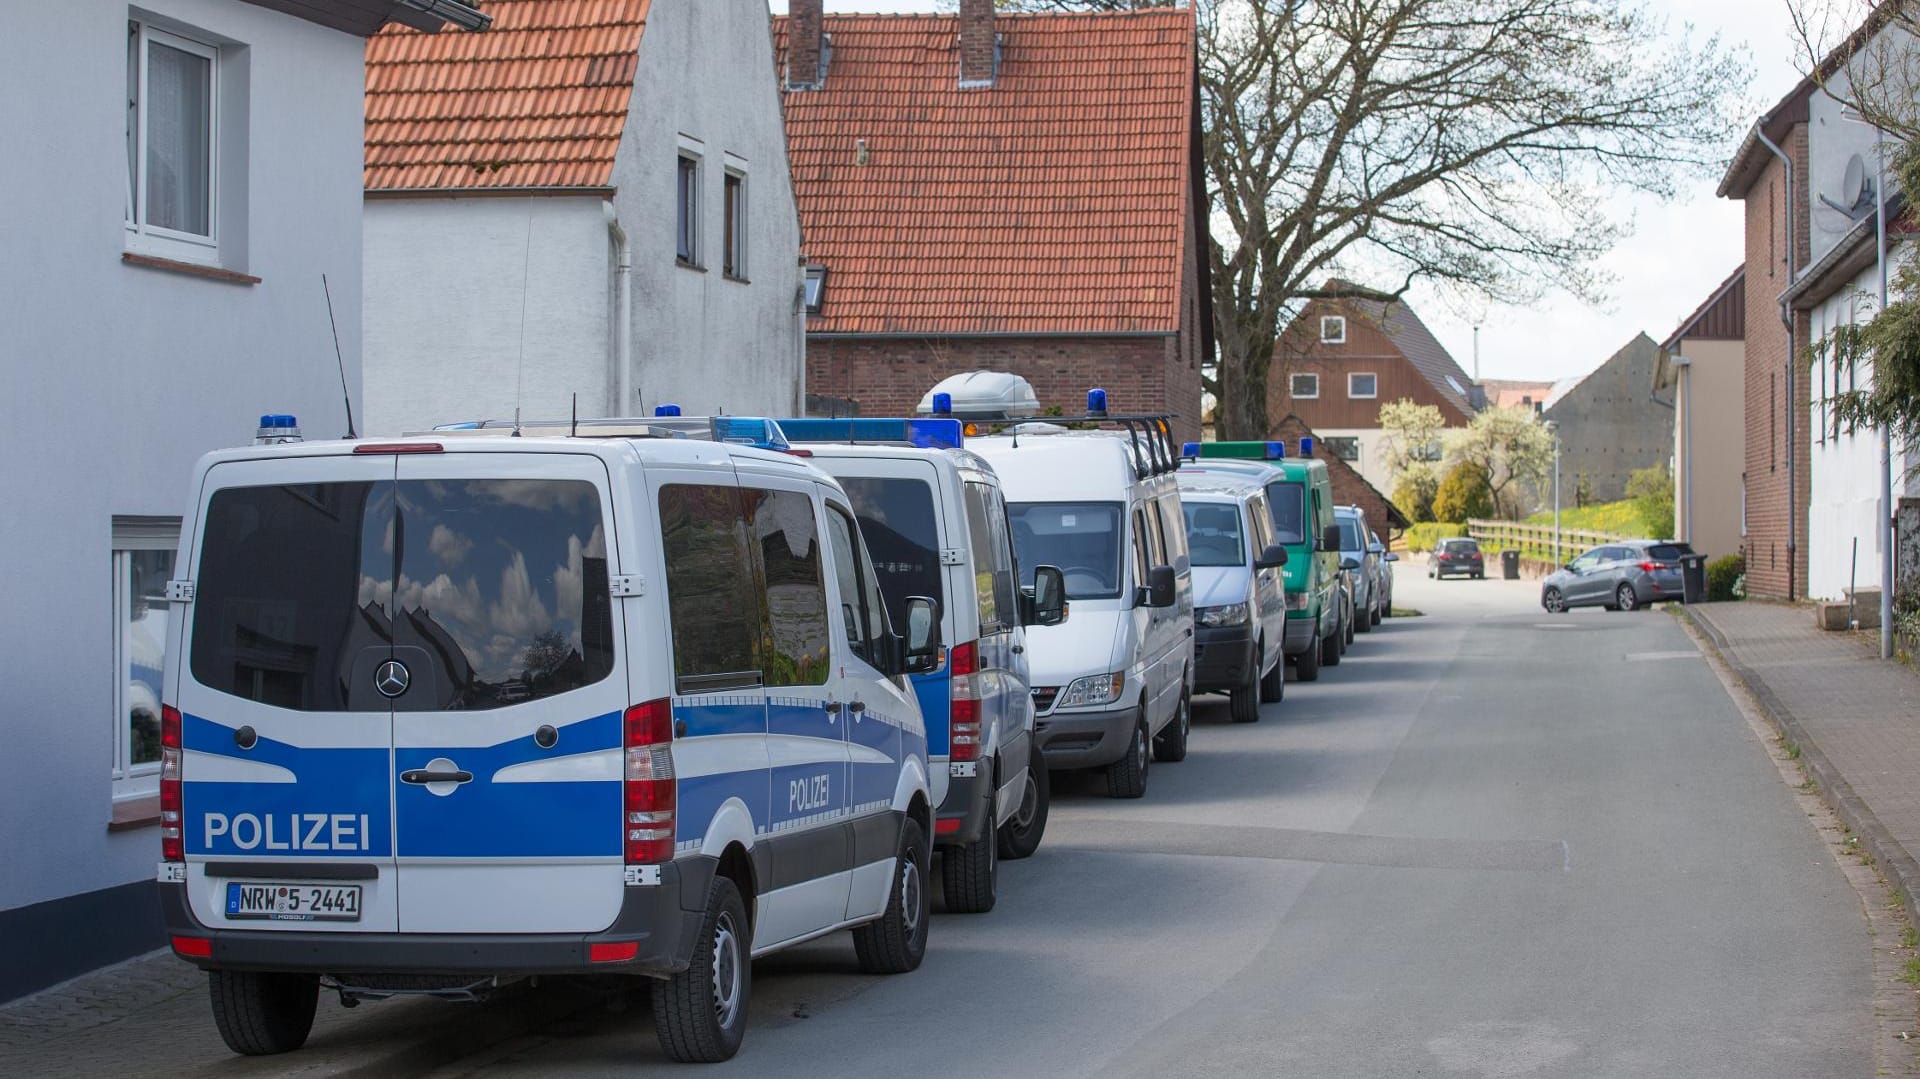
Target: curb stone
x=1902 y=870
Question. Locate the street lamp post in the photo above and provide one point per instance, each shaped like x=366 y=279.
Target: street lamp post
x=1554 y=430
x=1885 y=525
x=1685 y=367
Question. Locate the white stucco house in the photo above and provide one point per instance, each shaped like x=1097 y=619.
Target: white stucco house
x=591 y=206
x=228 y=134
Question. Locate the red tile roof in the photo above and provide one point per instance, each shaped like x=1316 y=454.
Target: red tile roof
x=1055 y=202
x=537 y=101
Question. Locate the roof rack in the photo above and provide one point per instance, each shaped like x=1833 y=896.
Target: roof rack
x=755 y=431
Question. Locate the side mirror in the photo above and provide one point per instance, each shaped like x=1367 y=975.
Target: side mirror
x=1274 y=555
x=1349 y=563
x=1330 y=538
x=922 y=652
x=1045 y=603
x=1159 y=589
x=1390 y=557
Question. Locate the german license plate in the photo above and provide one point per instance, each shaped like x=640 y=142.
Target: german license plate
x=294 y=902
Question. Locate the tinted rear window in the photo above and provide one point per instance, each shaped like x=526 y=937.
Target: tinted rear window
x=1461 y=546
x=491 y=591
x=896 y=519
x=1668 y=552
x=1286 y=501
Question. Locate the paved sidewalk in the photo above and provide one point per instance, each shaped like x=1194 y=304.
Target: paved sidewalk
x=1854 y=717
x=150 y=1017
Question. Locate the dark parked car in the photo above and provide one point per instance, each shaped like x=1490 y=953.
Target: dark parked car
x=1458 y=557
x=1621 y=576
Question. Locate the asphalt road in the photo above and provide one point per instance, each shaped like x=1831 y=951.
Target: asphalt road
x=1491 y=843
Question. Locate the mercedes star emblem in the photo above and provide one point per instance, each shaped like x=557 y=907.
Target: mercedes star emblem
x=392 y=678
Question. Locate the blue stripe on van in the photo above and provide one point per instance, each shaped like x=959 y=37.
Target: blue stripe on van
x=700 y=797
x=340 y=803
x=485 y=819
x=706 y=717
x=935 y=690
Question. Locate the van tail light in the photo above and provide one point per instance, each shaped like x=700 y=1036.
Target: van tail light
x=963 y=662
x=171 y=847
x=650 y=797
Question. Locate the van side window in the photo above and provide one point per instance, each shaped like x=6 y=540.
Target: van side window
x=1140 y=541
x=861 y=609
x=1173 y=531
x=1157 y=552
x=992 y=558
x=796 y=650
x=710 y=588
x=1262 y=522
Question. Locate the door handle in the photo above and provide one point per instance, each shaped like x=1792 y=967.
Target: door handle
x=421 y=775
x=1019 y=649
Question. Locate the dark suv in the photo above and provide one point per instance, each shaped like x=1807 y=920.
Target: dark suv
x=1457 y=558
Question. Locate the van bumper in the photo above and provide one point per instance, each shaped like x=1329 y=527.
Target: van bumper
x=1085 y=739
x=651 y=916
x=1221 y=658
x=1299 y=635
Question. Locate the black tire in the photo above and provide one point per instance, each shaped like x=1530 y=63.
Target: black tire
x=1625 y=598
x=1554 y=601
x=1306 y=665
x=897 y=941
x=1273 y=684
x=1020 y=836
x=1246 y=698
x=1330 y=648
x=1364 y=621
x=1346 y=632
x=1379 y=612
x=1127 y=777
x=1171 y=746
x=970 y=875
x=260 y=1014
x=700 y=1014
x=1480 y=575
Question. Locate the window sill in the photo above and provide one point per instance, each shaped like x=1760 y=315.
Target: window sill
x=135 y=813
x=685 y=265
x=735 y=278
x=193 y=269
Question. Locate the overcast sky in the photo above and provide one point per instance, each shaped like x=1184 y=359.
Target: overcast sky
x=1678 y=252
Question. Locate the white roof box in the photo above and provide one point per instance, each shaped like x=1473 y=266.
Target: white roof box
x=983 y=395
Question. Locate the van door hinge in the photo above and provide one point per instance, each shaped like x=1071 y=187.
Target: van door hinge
x=623 y=585
x=952 y=556
x=179 y=592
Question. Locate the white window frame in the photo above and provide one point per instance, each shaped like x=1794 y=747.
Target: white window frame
x=1351 y=393
x=737 y=252
x=813 y=290
x=1293 y=386
x=133 y=780
x=141 y=237
x=1333 y=329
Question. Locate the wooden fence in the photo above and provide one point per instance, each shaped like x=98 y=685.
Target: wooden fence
x=1536 y=541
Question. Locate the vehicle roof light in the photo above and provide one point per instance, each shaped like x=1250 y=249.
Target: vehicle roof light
x=943 y=404
x=666 y=410
x=756 y=431
x=935 y=433
x=1096 y=402
x=1189 y=449
x=1306 y=445
x=1244 y=451
x=400 y=447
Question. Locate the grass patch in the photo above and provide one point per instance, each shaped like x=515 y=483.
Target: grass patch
x=1793 y=750
x=1407 y=612
x=1910 y=937
x=1912 y=974
x=1621 y=518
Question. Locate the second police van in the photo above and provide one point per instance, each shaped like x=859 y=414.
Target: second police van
x=451 y=711
x=936 y=523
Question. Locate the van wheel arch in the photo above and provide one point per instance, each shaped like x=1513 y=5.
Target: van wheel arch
x=737 y=866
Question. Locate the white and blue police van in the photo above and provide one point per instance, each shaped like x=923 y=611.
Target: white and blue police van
x=453 y=710
x=936 y=524
x=1098 y=500
x=1239 y=590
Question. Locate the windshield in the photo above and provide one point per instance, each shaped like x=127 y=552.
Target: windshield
x=896 y=518
x=1350 y=535
x=1287 y=501
x=1213 y=534
x=1082 y=538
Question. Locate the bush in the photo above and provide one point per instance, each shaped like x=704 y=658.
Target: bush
x=1414 y=495
x=1723 y=574
x=1651 y=491
x=1422 y=537
x=1464 y=494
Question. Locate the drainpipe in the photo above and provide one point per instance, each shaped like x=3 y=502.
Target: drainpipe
x=1786 y=318
x=622 y=313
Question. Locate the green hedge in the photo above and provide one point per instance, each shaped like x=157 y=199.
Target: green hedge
x=1722 y=572
x=1422 y=537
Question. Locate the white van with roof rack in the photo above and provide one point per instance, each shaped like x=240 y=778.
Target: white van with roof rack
x=453 y=710
x=936 y=523
x=1113 y=687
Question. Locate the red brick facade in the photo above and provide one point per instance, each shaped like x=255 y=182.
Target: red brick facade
x=1777 y=474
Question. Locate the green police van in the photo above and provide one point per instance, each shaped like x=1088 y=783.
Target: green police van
x=1300 y=498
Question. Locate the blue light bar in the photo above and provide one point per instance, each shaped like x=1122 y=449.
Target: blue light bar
x=1276 y=450
x=1189 y=449
x=1306 y=445
x=756 y=431
x=666 y=410
x=1096 y=402
x=935 y=433
x=943 y=404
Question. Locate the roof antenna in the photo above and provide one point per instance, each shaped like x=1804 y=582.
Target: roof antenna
x=516 y=422
x=573 y=431
x=337 y=359
x=520 y=363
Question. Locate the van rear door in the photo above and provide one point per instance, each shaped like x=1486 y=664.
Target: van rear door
x=286 y=792
x=507 y=760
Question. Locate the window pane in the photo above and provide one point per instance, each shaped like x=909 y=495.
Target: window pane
x=1082 y=538
x=179 y=106
x=1286 y=502
x=717 y=627
x=1361 y=385
x=687 y=202
x=1213 y=534
x=1306 y=386
x=144 y=644
x=1000 y=555
x=1350 y=535
x=990 y=589
x=797 y=648
x=896 y=518
x=856 y=614
x=502 y=591
x=734 y=225
x=295 y=584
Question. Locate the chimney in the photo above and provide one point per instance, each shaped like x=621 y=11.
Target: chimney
x=806 y=60
x=979 y=59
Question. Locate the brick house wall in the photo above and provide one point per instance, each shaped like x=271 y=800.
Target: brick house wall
x=1367 y=349
x=1349 y=487
x=1776 y=560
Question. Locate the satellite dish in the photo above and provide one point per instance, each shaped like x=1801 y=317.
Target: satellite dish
x=1856 y=193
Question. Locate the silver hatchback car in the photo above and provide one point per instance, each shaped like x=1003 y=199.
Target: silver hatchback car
x=1622 y=576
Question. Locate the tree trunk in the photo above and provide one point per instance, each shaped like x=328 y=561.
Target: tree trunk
x=1241 y=414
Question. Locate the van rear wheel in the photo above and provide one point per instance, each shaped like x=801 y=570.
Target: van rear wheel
x=1020 y=836
x=1127 y=777
x=897 y=941
x=969 y=875
x=700 y=1014
x=260 y=1014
